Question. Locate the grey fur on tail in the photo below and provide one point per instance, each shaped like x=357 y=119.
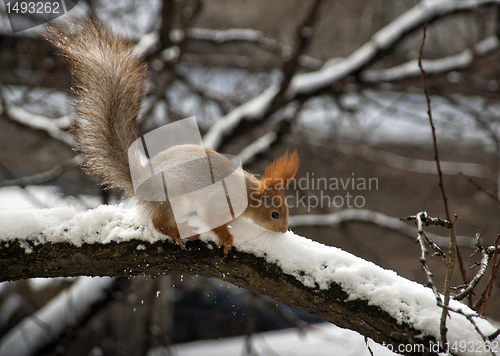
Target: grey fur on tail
x=110 y=86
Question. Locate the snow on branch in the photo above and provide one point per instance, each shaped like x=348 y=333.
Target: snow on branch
x=375 y=218
x=415 y=165
x=333 y=71
x=239 y=35
x=432 y=66
x=317 y=279
x=423 y=12
x=251 y=109
x=53 y=319
x=53 y=126
x=149 y=42
x=264 y=143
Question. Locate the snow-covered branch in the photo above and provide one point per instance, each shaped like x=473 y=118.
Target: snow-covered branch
x=264 y=143
x=149 y=42
x=432 y=66
x=252 y=109
x=53 y=126
x=415 y=165
x=246 y=35
x=387 y=37
x=335 y=70
x=53 y=319
x=317 y=279
x=375 y=218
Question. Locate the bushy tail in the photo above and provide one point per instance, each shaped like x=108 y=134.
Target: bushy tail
x=109 y=85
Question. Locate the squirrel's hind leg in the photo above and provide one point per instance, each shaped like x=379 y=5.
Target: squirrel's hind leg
x=163 y=226
x=225 y=238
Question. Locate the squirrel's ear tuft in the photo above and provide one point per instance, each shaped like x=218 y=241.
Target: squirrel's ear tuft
x=279 y=173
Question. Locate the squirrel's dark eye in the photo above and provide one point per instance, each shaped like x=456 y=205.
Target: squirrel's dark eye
x=275 y=215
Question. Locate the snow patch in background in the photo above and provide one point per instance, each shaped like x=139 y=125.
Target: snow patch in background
x=317 y=340
x=59 y=314
x=385 y=117
x=14 y=197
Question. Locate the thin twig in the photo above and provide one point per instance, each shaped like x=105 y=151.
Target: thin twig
x=494 y=335
x=441 y=184
x=449 y=262
x=420 y=218
x=483 y=293
x=368 y=346
x=469 y=288
x=304 y=35
x=429 y=112
x=475 y=184
x=492 y=277
x=435 y=247
x=427 y=220
x=486 y=339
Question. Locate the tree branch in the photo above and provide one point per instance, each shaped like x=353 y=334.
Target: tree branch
x=313 y=82
x=432 y=66
x=55 y=127
x=371 y=217
x=46 y=176
x=319 y=280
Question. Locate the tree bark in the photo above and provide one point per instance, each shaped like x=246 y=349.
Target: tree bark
x=137 y=257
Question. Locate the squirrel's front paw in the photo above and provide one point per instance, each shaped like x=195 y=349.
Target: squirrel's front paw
x=225 y=238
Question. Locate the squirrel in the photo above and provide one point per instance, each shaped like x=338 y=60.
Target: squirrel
x=110 y=87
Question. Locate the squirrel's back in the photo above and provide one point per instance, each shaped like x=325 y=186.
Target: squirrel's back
x=110 y=83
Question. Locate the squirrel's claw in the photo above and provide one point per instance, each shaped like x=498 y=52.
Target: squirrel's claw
x=225 y=238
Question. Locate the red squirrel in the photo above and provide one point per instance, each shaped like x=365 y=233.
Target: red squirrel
x=110 y=87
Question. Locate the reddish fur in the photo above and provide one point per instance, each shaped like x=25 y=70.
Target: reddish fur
x=279 y=173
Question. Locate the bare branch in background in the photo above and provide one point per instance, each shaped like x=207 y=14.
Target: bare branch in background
x=432 y=66
x=467 y=289
x=481 y=189
x=433 y=128
x=303 y=39
x=370 y=217
x=46 y=176
x=55 y=127
x=415 y=165
x=68 y=309
x=493 y=274
x=335 y=70
x=281 y=125
x=251 y=36
x=244 y=35
x=454 y=251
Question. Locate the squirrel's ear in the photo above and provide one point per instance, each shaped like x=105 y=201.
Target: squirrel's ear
x=279 y=173
x=270 y=192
